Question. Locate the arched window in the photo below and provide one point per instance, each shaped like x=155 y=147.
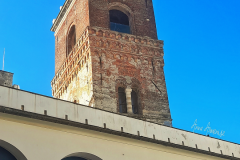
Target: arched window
x=122 y=100
x=134 y=98
x=6 y=155
x=119 y=21
x=71 y=39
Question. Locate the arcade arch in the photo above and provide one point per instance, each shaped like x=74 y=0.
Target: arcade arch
x=10 y=152
x=81 y=156
x=6 y=155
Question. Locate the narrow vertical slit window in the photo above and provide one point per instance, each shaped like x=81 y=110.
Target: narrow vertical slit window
x=122 y=100
x=100 y=61
x=134 y=98
x=146 y=1
x=153 y=67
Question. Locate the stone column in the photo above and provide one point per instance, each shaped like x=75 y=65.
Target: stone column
x=129 y=101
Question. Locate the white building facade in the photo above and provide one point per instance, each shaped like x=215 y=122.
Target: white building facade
x=36 y=127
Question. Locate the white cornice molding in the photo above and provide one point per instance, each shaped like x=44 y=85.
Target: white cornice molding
x=62 y=15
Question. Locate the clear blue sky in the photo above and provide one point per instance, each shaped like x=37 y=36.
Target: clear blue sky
x=202 y=56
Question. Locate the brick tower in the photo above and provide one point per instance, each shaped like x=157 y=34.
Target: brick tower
x=108 y=56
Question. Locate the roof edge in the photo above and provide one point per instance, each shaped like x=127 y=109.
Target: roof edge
x=61 y=15
x=11 y=111
x=110 y=112
x=6 y=72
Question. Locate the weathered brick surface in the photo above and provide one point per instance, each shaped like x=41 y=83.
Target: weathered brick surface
x=104 y=60
x=137 y=10
x=129 y=62
x=78 y=16
x=73 y=81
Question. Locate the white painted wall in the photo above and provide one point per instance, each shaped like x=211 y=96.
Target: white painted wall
x=57 y=141
x=39 y=140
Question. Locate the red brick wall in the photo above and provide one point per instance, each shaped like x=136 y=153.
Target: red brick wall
x=127 y=60
x=133 y=63
x=98 y=11
x=79 y=16
x=99 y=15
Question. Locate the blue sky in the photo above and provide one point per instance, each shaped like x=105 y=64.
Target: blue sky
x=202 y=56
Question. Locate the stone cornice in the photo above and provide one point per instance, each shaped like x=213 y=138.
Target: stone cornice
x=32 y=105
x=11 y=111
x=61 y=15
